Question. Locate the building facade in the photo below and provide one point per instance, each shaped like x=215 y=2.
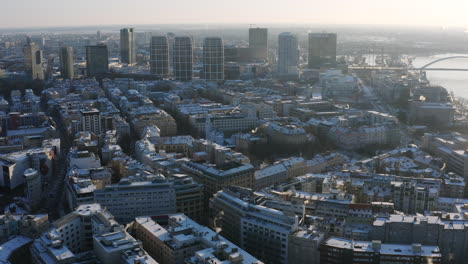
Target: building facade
x=91 y=121
x=127 y=45
x=128 y=200
x=159 y=55
x=288 y=54
x=66 y=62
x=322 y=49
x=213 y=59
x=183 y=58
x=97 y=60
x=33 y=61
x=258 y=43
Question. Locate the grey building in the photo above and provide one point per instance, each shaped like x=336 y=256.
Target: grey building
x=66 y=62
x=91 y=121
x=261 y=231
x=213 y=59
x=97 y=60
x=258 y=43
x=128 y=200
x=447 y=231
x=231 y=53
x=183 y=58
x=127 y=46
x=322 y=49
x=159 y=55
x=288 y=54
x=33 y=61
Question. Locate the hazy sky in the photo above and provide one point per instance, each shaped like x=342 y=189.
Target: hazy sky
x=38 y=13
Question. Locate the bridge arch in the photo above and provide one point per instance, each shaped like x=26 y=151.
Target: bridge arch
x=442 y=59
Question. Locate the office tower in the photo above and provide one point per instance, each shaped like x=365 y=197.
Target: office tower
x=170 y=40
x=183 y=58
x=231 y=53
x=127 y=46
x=97 y=60
x=159 y=55
x=258 y=43
x=288 y=54
x=66 y=62
x=33 y=61
x=213 y=59
x=98 y=34
x=322 y=49
x=91 y=121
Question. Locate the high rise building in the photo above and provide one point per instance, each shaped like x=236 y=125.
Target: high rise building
x=66 y=62
x=322 y=49
x=33 y=190
x=33 y=61
x=159 y=55
x=288 y=54
x=183 y=58
x=127 y=46
x=213 y=59
x=258 y=43
x=97 y=60
x=91 y=121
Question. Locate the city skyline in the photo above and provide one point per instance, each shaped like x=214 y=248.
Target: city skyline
x=261 y=132
x=59 y=14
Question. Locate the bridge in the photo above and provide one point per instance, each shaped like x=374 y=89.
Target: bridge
x=442 y=59
x=423 y=68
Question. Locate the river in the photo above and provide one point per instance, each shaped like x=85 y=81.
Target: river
x=456 y=81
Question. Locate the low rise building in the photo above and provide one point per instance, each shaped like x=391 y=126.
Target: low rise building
x=341 y=250
x=263 y=231
x=183 y=241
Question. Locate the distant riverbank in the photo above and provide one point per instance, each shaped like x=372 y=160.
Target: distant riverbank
x=456 y=82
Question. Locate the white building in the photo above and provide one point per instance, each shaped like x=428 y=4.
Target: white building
x=120 y=247
x=128 y=199
x=251 y=225
x=184 y=241
x=270 y=175
x=13 y=165
x=83 y=159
